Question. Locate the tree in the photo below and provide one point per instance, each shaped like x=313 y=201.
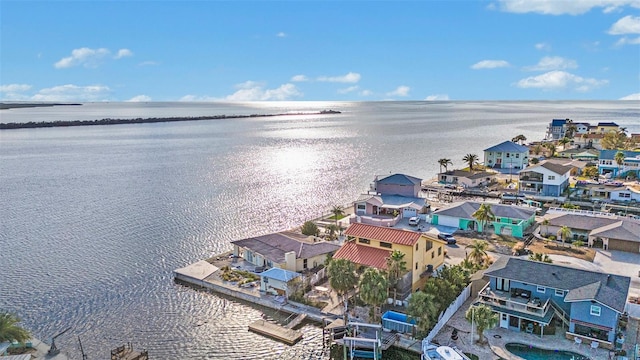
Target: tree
x=545 y=223
x=540 y=257
x=483 y=318
x=10 y=330
x=518 y=139
x=332 y=230
x=564 y=233
x=422 y=307
x=373 y=289
x=396 y=267
x=483 y=215
x=537 y=149
x=619 y=158
x=471 y=159
x=534 y=161
x=337 y=211
x=342 y=276
x=552 y=148
x=590 y=171
x=571 y=131
x=444 y=163
x=564 y=141
x=309 y=228
x=478 y=252
x=613 y=140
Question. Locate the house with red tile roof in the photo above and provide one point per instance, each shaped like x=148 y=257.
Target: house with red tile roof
x=370 y=246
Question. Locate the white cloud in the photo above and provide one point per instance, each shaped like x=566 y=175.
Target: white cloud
x=140 y=98
x=193 y=98
x=559 y=80
x=14 y=88
x=348 y=90
x=627 y=25
x=552 y=63
x=559 y=7
x=148 y=63
x=72 y=92
x=123 y=53
x=401 y=90
x=254 y=91
x=437 y=97
x=299 y=78
x=543 y=47
x=627 y=41
x=490 y=64
x=281 y=34
x=366 y=93
x=89 y=58
x=635 y=96
x=351 y=77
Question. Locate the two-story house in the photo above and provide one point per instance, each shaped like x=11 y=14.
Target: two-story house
x=545 y=179
x=509 y=219
x=506 y=155
x=527 y=295
x=603 y=128
x=370 y=246
x=467 y=179
x=556 y=129
x=389 y=199
x=284 y=250
x=608 y=164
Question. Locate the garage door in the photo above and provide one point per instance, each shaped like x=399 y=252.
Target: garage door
x=407 y=213
x=622 y=245
x=448 y=221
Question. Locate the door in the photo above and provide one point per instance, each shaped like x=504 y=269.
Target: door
x=504 y=321
x=502 y=284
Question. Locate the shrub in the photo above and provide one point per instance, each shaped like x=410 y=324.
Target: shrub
x=309 y=228
x=578 y=243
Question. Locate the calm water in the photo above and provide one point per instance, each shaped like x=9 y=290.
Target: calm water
x=533 y=353
x=94 y=219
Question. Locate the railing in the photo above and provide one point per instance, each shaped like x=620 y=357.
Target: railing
x=583 y=212
x=559 y=311
x=487 y=296
x=447 y=314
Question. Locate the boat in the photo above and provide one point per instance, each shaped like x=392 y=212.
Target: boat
x=435 y=352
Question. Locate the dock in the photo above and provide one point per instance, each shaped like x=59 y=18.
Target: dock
x=296 y=321
x=280 y=333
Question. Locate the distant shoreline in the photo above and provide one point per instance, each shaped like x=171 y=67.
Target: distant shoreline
x=6 y=106
x=108 y=121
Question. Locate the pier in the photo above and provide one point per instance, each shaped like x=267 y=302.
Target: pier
x=280 y=333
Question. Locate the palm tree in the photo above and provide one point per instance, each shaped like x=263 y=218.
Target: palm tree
x=552 y=148
x=10 y=330
x=564 y=141
x=483 y=318
x=545 y=222
x=342 y=276
x=619 y=158
x=518 y=139
x=470 y=159
x=564 y=233
x=444 y=162
x=337 y=211
x=422 y=307
x=373 y=289
x=540 y=257
x=537 y=149
x=332 y=230
x=478 y=252
x=483 y=215
x=396 y=267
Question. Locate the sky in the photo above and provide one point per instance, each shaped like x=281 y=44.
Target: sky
x=303 y=50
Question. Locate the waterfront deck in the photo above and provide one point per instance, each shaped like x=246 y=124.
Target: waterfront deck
x=280 y=333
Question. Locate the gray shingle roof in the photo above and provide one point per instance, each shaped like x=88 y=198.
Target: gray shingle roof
x=608 y=289
x=621 y=230
x=509 y=146
x=400 y=179
x=274 y=246
x=466 y=209
x=582 y=222
x=556 y=168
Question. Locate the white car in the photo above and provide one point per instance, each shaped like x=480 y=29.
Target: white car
x=414 y=221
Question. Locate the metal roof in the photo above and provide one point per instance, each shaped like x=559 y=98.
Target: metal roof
x=363 y=255
x=394 y=236
x=509 y=146
x=279 y=274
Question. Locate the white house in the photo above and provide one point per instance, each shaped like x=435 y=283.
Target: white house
x=277 y=281
x=507 y=155
x=467 y=179
x=624 y=194
x=545 y=179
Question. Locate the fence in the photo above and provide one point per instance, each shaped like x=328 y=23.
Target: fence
x=447 y=314
x=317 y=277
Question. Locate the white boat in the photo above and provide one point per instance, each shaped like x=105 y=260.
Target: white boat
x=435 y=352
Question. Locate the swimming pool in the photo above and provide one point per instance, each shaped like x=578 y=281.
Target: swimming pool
x=533 y=353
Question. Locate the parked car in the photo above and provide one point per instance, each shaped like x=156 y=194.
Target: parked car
x=448 y=238
x=414 y=221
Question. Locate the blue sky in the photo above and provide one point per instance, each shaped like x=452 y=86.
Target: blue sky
x=307 y=50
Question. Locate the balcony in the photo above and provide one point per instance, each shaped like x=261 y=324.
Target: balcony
x=523 y=302
x=531 y=178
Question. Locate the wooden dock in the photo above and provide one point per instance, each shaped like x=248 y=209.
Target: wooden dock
x=280 y=333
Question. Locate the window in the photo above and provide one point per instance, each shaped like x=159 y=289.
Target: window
x=364 y=241
x=304 y=263
x=385 y=244
x=429 y=245
x=440 y=251
x=595 y=310
x=551 y=177
x=508 y=154
x=517 y=156
x=541 y=289
x=417 y=246
x=624 y=195
x=433 y=254
x=362 y=206
x=559 y=293
x=416 y=266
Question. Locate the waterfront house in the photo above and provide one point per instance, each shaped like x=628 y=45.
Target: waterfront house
x=589 y=141
x=545 y=179
x=527 y=295
x=278 y=281
x=370 y=246
x=608 y=165
x=579 y=154
x=390 y=199
x=286 y=250
x=467 y=179
x=603 y=128
x=509 y=219
x=506 y=155
x=556 y=129
x=600 y=230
